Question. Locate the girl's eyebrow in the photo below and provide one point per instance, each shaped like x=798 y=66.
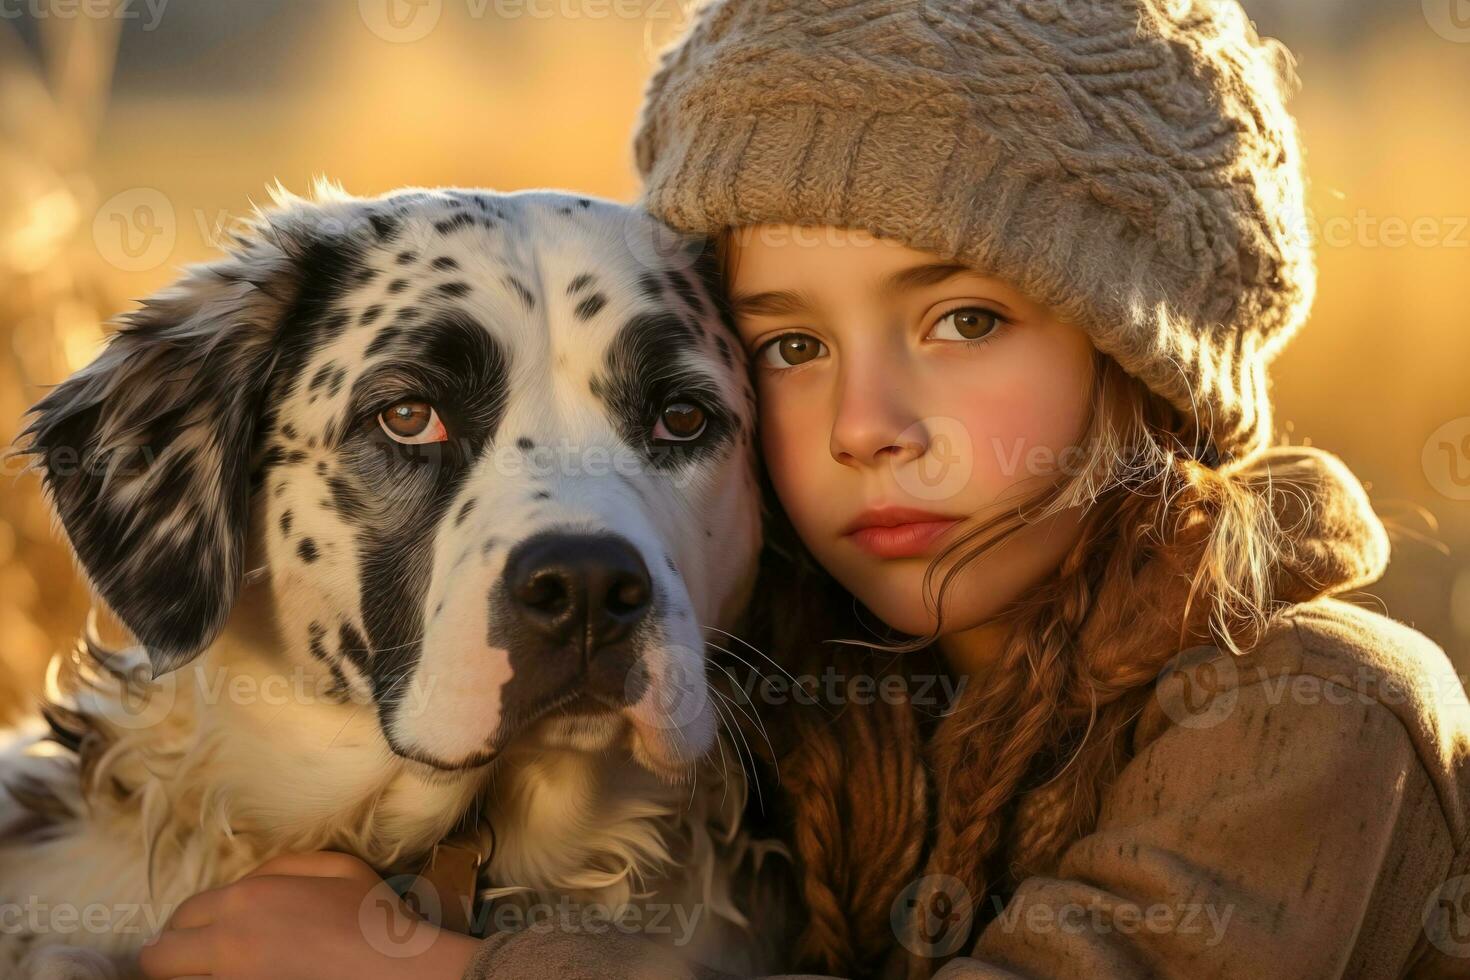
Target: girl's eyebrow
x=783 y=302
x=773 y=302
x=927 y=274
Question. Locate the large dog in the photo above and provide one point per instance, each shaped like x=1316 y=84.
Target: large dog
x=417 y=506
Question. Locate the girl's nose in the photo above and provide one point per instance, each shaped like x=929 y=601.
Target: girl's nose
x=872 y=424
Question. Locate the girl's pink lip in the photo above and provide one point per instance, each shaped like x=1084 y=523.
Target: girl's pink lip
x=901 y=540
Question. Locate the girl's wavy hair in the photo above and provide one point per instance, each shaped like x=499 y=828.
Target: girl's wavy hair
x=886 y=803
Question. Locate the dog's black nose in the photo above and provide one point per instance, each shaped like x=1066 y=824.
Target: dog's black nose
x=579 y=590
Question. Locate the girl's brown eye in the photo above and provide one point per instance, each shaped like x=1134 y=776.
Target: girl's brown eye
x=680 y=422
x=791 y=350
x=966 y=323
x=412 y=423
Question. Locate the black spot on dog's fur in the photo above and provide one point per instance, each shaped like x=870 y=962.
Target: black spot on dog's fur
x=353 y=646
x=334 y=324
x=346 y=500
x=651 y=285
x=464 y=512
x=444 y=264
x=525 y=444
x=384 y=227
x=454 y=289
x=527 y=297
x=307 y=550
x=455 y=223
x=382 y=341
x=315 y=632
x=585 y=279
x=588 y=307
x=685 y=288
x=335 y=385
x=322 y=376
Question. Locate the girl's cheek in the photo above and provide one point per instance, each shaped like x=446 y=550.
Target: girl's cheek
x=1026 y=421
x=785 y=442
x=790 y=442
x=1013 y=438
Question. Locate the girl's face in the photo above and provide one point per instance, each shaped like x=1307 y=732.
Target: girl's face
x=900 y=389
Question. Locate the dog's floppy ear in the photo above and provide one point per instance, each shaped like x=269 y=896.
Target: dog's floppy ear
x=146 y=452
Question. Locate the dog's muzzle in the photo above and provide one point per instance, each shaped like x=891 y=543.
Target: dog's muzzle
x=574 y=605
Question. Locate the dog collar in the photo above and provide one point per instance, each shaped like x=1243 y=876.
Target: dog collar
x=452 y=875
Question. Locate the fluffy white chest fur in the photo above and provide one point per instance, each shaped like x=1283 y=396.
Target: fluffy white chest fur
x=191 y=781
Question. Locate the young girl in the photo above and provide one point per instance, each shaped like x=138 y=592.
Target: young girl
x=1010 y=276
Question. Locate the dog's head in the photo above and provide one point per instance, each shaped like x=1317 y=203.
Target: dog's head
x=493 y=451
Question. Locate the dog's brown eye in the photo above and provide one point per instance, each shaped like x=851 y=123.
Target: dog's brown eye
x=680 y=422
x=412 y=423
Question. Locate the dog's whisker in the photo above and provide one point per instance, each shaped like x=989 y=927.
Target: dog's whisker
x=351 y=715
x=757 y=671
x=750 y=751
x=737 y=696
x=753 y=648
x=754 y=771
x=753 y=715
x=724 y=763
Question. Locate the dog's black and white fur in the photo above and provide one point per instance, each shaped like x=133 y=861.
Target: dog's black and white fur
x=510 y=617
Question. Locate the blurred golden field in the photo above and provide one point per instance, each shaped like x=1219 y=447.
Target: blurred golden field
x=130 y=131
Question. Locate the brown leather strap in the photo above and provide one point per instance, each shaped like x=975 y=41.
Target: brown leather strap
x=448 y=883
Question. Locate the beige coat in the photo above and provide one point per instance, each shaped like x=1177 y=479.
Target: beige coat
x=1301 y=812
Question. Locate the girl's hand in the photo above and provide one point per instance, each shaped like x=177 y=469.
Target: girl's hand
x=304 y=917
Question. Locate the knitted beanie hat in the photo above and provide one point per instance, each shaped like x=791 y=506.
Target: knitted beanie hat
x=1129 y=163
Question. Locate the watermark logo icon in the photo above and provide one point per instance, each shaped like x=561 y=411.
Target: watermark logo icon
x=1450 y=19
x=133 y=699
x=401 y=21
x=135 y=230
x=1447 y=917
x=681 y=694
x=655 y=245
x=943 y=471
x=932 y=916
x=392 y=925
x=1199 y=687
x=1446 y=458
